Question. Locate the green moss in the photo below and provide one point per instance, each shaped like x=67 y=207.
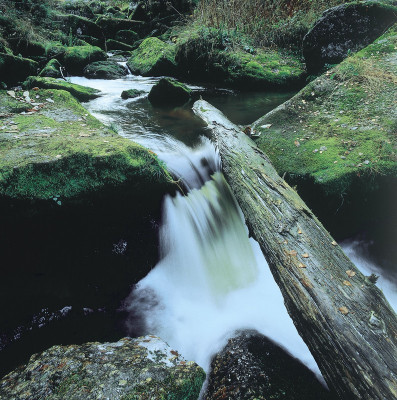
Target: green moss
x=116 y=45
x=169 y=92
x=265 y=68
x=63 y=150
x=153 y=58
x=77 y=57
x=52 y=69
x=105 y=70
x=81 y=93
x=15 y=69
x=340 y=128
x=127 y=36
x=131 y=93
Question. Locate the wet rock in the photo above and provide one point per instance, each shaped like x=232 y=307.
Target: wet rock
x=112 y=44
x=169 y=92
x=131 y=93
x=345 y=29
x=252 y=367
x=153 y=57
x=77 y=58
x=52 y=69
x=15 y=69
x=127 y=369
x=80 y=92
x=127 y=36
x=111 y=26
x=105 y=70
x=79 y=26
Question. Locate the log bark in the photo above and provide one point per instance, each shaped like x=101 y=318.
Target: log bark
x=345 y=320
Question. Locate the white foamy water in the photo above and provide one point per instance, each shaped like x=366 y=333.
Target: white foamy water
x=212 y=280
x=355 y=250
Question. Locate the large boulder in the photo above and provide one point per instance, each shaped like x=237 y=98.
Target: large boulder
x=153 y=58
x=75 y=197
x=52 y=69
x=105 y=70
x=169 y=92
x=131 y=93
x=80 y=92
x=78 y=26
x=335 y=141
x=203 y=55
x=15 y=69
x=127 y=36
x=253 y=367
x=111 y=26
x=76 y=58
x=143 y=368
x=112 y=44
x=345 y=29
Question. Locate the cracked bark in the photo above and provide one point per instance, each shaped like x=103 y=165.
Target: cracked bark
x=357 y=351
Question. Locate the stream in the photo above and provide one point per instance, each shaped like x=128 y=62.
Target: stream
x=212 y=279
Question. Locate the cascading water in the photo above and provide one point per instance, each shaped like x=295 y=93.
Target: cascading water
x=211 y=279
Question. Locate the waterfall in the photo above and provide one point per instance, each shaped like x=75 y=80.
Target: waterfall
x=211 y=279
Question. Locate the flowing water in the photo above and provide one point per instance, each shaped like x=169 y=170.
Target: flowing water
x=211 y=279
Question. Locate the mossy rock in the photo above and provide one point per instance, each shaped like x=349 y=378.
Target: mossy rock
x=336 y=138
x=52 y=69
x=77 y=58
x=15 y=69
x=131 y=93
x=142 y=368
x=112 y=44
x=345 y=29
x=79 y=26
x=111 y=26
x=63 y=150
x=105 y=70
x=54 y=49
x=169 y=92
x=127 y=36
x=267 y=68
x=27 y=48
x=93 y=41
x=153 y=58
x=81 y=93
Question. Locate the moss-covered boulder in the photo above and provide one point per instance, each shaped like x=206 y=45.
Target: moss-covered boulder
x=153 y=58
x=27 y=48
x=169 y=92
x=78 y=25
x=105 y=70
x=143 y=368
x=15 y=69
x=131 y=93
x=52 y=69
x=253 y=367
x=112 y=44
x=336 y=139
x=111 y=26
x=126 y=36
x=80 y=92
x=75 y=197
x=76 y=58
x=345 y=29
x=202 y=55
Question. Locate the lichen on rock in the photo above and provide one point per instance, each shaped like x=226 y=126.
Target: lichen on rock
x=130 y=369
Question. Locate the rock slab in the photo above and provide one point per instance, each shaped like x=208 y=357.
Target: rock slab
x=145 y=367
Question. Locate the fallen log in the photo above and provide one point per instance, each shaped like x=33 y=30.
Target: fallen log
x=345 y=320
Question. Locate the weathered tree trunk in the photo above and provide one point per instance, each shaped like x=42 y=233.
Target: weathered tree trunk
x=345 y=320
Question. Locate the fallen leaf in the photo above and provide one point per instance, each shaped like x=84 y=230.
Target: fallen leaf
x=292 y=253
x=305 y=255
x=299 y=231
x=344 y=310
x=350 y=273
x=334 y=243
x=347 y=283
x=297 y=143
x=301 y=265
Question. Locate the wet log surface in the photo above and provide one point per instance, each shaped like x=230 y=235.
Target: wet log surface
x=345 y=320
